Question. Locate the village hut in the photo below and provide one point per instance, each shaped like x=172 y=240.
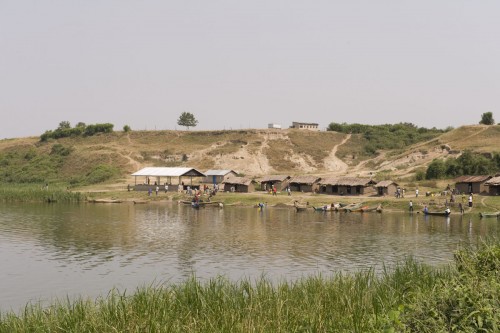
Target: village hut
x=239 y=184
x=386 y=188
x=304 y=184
x=218 y=176
x=281 y=182
x=472 y=184
x=328 y=185
x=346 y=186
x=175 y=178
x=493 y=185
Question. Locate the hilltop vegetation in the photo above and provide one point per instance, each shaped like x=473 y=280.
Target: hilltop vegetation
x=400 y=150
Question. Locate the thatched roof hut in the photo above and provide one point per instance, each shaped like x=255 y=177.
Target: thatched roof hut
x=304 y=183
x=493 y=185
x=472 y=184
x=238 y=184
x=386 y=187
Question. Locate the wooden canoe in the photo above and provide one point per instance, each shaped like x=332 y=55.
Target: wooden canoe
x=495 y=214
x=106 y=201
x=377 y=208
x=437 y=213
x=299 y=207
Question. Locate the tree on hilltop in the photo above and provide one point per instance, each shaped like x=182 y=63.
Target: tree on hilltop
x=187 y=119
x=487 y=119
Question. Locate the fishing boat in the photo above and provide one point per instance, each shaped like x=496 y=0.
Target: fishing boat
x=351 y=207
x=105 y=201
x=137 y=202
x=202 y=203
x=325 y=208
x=377 y=209
x=495 y=214
x=437 y=213
x=299 y=207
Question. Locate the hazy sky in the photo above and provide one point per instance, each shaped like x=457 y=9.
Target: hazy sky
x=240 y=64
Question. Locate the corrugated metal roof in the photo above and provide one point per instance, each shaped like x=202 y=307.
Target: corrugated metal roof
x=304 y=179
x=472 y=179
x=166 y=172
x=493 y=181
x=218 y=172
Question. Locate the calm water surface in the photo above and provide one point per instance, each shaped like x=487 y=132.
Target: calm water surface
x=49 y=251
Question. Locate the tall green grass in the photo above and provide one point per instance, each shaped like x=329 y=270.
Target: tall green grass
x=37 y=193
x=410 y=297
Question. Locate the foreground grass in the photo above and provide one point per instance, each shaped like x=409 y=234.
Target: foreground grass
x=37 y=193
x=410 y=297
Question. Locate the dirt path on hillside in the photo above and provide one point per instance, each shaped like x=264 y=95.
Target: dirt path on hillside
x=333 y=163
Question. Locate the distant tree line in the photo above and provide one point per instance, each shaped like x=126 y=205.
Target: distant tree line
x=388 y=136
x=81 y=129
x=468 y=163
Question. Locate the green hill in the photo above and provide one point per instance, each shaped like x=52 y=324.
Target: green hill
x=112 y=157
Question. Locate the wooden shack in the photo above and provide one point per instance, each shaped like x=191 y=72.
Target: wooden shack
x=386 y=188
x=281 y=182
x=493 y=185
x=218 y=176
x=304 y=184
x=239 y=184
x=472 y=184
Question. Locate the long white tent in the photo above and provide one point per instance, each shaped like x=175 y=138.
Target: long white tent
x=158 y=172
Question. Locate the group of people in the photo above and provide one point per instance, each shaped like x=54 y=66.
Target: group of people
x=447 y=210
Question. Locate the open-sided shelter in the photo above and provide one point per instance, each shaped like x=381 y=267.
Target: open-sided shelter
x=218 y=176
x=174 y=177
x=493 y=185
x=238 y=184
x=279 y=181
x=386 y=187
x=304 y=184
x=472 y=184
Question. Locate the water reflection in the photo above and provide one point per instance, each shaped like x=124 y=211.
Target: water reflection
x=54 y=250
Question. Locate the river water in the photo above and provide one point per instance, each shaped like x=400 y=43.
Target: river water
x=53 y=251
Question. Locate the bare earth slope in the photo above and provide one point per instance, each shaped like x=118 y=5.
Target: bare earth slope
x=250 y=152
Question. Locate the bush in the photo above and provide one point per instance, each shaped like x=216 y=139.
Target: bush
x=101 y=173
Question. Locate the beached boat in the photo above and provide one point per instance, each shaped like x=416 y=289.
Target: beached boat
x=495 y=214
x=105 y=201
x=202 y=203
x=351 y=207
x=377 y=208
x=437 y=213
x=325 y=208
x=299 y=207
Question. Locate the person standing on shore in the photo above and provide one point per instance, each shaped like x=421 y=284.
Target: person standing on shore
x=470 y=200
x=416 y=192
x=411 y=206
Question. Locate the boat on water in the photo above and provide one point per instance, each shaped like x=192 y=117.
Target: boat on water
x=105 y=201
x=202 y=203
x=484 y=214
x=299 y=207
x=437 y=213
x=137 y=202
x=352 y=207
x=377 y=209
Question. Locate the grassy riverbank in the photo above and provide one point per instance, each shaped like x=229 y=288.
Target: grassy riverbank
x=481 y=203
x=38 y=193
x=410 y=297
